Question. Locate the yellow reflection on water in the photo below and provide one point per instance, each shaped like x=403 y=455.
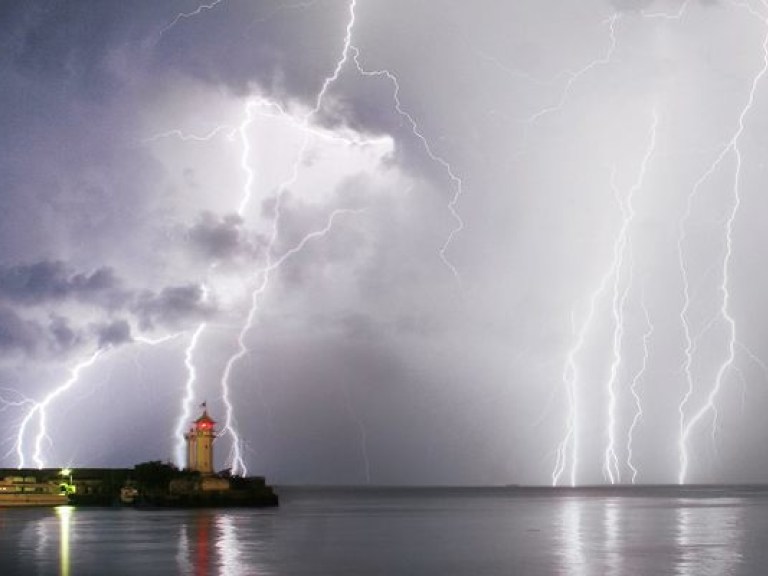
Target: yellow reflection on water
x=65 y=517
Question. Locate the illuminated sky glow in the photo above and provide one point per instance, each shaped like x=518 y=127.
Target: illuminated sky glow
x=458 y=243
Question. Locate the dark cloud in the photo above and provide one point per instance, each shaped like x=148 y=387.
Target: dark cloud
x=63 y=336
x=17 y=334
x=46 y=281
x=173 y=306
x=58 y=338
x=218 y=237
x=71 y=43
x=113 y=333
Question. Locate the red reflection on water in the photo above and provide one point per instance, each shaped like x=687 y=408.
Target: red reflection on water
x=203 y=545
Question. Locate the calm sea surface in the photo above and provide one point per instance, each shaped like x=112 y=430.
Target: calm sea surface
x=474 y=532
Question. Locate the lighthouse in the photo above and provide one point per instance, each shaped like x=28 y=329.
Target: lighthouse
x=200 y=444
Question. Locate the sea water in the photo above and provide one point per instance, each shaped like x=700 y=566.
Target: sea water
x=696 y=532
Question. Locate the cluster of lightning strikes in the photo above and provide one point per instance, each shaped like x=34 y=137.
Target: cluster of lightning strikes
x=39 y=412
x=619 y=283
x=620 y=261
x=689 y=421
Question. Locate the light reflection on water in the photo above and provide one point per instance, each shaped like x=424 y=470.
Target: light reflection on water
x=573 y=533
x=573 y=558
x=698 y=536
x=613 y=543
x=65 y=517
x=183 y=560
x=591 y=535
x=709 y=537
x=228 y=546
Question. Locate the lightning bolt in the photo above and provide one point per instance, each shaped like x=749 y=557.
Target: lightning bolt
x=329 y=80
x=229 y=131
x=184 y=15
x=416 y=131
x=11 y=398
x=186 y=403
x=732 y=148
x=244 y=159
x=18 y=401
x=204 y=7
x=156 y=341
x=754 y=357
x=634 y=384
x=573 y=77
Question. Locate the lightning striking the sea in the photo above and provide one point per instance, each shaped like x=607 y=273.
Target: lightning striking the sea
x=633 y=388
x=571 y=372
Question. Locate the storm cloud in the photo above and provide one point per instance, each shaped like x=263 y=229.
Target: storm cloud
x=173 y=306
x=50 y=281
x=114 y=333
x=17 y=334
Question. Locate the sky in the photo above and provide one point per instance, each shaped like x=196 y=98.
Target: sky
x=387 y=241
